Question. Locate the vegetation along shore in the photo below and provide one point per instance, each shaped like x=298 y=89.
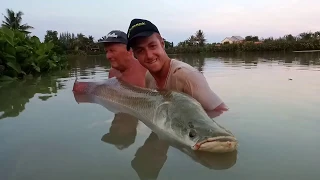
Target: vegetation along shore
x=22 y=54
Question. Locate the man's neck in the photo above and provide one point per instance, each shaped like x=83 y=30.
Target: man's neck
x=161 y=76
x=129 y=65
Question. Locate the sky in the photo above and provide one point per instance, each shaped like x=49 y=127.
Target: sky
x=176 y=19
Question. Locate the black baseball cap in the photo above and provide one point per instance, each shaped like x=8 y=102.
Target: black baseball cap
x=115 y=36
x=140 y=28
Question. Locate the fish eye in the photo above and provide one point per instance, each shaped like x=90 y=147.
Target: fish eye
x=192 y=133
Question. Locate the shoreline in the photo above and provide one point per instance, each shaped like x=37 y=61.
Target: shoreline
x=307 y=51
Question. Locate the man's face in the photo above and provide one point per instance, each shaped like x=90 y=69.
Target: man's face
x=150 y=52
x=117 y=54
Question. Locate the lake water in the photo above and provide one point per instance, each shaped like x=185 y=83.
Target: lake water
x=274 y=113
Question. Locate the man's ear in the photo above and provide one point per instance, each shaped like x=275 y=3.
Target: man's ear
x=162 y=42
x=130 y=51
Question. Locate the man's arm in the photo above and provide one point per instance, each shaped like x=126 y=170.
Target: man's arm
x=197 y=86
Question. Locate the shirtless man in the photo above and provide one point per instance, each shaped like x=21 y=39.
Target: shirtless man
x=123 y=63
x=164 y=73
x=123 y=129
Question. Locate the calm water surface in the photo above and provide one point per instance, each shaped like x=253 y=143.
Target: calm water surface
x=274 y=112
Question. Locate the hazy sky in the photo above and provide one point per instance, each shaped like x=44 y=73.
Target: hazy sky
x=176 y=19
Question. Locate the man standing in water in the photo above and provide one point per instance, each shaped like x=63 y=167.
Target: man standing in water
x=164 y=73
x=123 y=63
x=123 y=129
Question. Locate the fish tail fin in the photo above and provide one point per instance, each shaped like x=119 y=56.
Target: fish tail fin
x=81 y=91
x=80 y=87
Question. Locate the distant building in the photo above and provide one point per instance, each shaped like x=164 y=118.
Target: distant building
x=233 y=39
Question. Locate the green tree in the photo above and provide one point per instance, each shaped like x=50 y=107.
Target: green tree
x=252 y=38
x=14 y=21
x=167 y=43
x=67 y=40
x=191 y=41
x=306 y=36
x=289 y=37
x=53 y=36
x=199 y=36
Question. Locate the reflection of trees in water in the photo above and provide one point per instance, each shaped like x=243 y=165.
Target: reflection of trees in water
x=14 y=95
x=195 y=60
x=255 y=57
x=247 y=59
x=81 y=65
x=308 y=58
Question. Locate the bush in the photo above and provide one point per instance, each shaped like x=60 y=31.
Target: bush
x=21 y=54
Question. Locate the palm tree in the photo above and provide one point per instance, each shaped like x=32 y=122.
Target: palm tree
x=13 y=21
x=200 y=37
x=192 y=40
x=91 y=39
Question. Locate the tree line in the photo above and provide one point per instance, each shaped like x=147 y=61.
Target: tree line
x=197 y=44
x=82 y=45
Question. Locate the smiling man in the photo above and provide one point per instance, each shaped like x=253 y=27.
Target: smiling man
x=123 y=63
x=164 y=73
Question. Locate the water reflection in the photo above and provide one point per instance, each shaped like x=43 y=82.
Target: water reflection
x=86 y=67
x=250 y=60
x=14 y=95
x=150 y=158
x=122 y=132
x=195 y=60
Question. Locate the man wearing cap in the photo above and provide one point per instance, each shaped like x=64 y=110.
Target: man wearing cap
x=123 y=63
x=123 y=129
x=164 y=73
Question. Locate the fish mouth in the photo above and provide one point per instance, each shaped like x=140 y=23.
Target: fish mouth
x=221 y=144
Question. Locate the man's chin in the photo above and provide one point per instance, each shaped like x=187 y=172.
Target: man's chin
x=154 y=67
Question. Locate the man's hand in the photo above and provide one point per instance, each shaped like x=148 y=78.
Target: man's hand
x=221 y=107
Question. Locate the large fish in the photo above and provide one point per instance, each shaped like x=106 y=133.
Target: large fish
x=166 y=113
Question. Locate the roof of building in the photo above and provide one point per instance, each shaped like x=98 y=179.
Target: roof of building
x=238 y=38
x=235 y=38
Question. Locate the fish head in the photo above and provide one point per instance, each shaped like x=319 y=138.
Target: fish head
x=193 y=126
x=210 y=136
